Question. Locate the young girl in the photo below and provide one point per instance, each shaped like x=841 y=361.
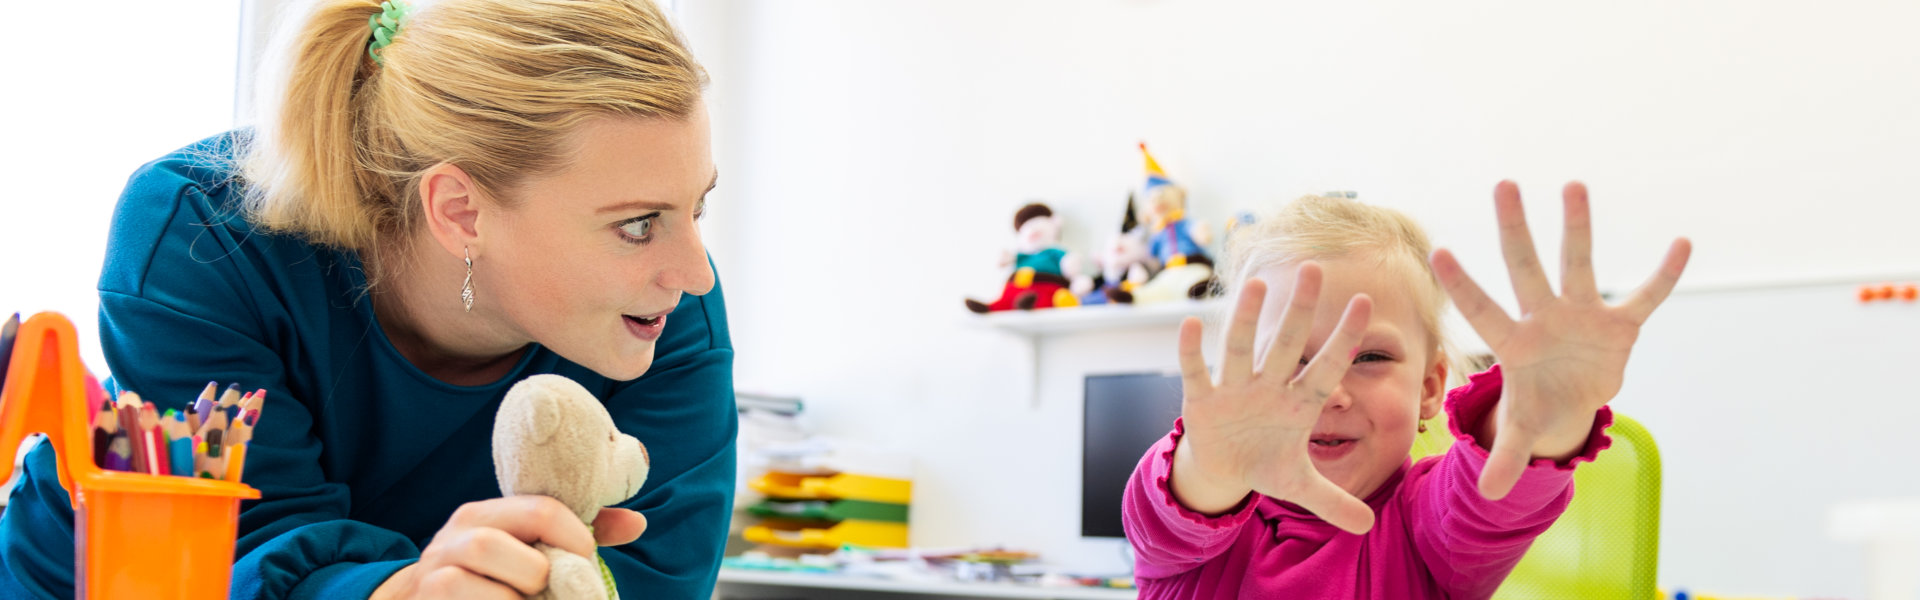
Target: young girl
x=1292 y=479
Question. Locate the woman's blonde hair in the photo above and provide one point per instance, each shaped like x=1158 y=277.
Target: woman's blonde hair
x=1321 y=228
x=494 y=87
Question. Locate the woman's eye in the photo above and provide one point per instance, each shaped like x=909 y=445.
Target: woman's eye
x=1371 y=357
x=638 y=231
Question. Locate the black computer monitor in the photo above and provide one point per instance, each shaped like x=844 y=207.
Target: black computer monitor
x=1124 y=415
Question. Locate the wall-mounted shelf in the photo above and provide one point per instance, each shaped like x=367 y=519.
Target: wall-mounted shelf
x=1048 y=321
x=1035 y=325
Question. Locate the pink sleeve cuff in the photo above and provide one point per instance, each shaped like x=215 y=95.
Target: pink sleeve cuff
x=1469 y=406
x=1168 y=506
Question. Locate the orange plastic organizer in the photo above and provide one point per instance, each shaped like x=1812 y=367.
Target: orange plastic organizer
x=155 y=537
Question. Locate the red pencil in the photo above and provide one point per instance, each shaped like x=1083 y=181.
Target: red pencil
x=162 y=461
x=155 y=444
x=129 y=413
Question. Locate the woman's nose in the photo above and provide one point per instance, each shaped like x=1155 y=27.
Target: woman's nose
x=687 y=270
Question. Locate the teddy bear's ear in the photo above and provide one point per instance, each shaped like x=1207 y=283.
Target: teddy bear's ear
x=546 y=418
x=533 y=407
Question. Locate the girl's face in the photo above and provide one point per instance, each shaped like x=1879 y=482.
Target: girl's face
x=1367 y=426
x=593 y=257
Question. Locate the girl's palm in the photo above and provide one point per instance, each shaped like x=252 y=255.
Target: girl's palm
x=1567 y=354
x=1251 y=429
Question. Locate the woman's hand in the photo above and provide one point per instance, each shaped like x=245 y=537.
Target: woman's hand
x=485 y=550
x=1567 y=354
x=1250 y=430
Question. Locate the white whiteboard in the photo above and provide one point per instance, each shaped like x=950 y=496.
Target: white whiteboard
x=1770 y=406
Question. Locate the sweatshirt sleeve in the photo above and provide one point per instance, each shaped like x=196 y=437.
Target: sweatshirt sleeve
x=296 y=541
x=683 y=410
x=1168 y=538
x=1470 y=543
x=179 y=307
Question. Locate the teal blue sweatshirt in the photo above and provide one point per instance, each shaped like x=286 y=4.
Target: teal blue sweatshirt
x=359 y=456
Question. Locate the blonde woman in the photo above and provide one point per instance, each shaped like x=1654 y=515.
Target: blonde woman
x=435 y=203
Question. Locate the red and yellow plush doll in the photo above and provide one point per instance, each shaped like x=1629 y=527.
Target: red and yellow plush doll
x=1042 y=269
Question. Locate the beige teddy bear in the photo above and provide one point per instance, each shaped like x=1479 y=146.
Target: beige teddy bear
x=553 y=438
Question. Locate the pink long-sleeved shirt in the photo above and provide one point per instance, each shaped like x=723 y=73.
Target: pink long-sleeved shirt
x=1433 y=535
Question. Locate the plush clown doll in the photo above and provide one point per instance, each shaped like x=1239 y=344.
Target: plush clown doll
x=1178 y=243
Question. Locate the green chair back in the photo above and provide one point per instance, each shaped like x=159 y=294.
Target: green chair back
x=1607 y=544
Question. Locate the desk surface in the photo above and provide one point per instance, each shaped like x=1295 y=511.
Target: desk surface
x=946 y=588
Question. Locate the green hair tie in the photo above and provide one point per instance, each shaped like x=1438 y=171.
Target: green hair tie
x=385 y=26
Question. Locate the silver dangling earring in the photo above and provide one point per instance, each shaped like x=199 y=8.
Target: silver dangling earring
x=466 y=289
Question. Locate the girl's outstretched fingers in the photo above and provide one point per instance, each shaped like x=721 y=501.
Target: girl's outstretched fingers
x=1487 y=318
x=1516 y=245
x=1193 y=366
x=1576 y=246
x=1651 y=294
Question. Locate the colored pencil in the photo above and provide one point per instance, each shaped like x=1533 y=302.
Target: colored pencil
x=216 y=422
x=238 y=432
x=208 y=438
x=204 y=403
x=130 y=423
x=155 y=444
x=7 y=334
x=216 y=454
x=200 y=460
x=236 y=462
x=105 y=423
x=119 y=453
x=231 y=396
x=179 y=443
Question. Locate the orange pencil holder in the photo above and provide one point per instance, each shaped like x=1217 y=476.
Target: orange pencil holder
x=136 y=535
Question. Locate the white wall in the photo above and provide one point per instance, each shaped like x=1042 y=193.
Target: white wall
x=874 y=153
x=91 y=94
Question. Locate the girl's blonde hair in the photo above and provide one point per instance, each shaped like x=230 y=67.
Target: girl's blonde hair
x=1321 y=228
x=495 y=87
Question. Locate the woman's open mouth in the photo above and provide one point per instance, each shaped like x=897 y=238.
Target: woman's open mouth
x=646 y=327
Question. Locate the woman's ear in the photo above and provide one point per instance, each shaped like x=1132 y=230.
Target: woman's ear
x=451 y=205
x=1433 y=388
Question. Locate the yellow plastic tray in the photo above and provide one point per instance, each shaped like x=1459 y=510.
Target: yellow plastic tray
x=851 y=531
x=844 y=486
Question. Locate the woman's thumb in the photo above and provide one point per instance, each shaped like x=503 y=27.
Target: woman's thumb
x=618 y=526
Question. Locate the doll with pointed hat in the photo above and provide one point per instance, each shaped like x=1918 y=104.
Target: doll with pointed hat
x=1042 y=270
x=1177 y=242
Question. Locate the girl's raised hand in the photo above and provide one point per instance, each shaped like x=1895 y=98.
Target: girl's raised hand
x=1566 y=355
x=1250 y=430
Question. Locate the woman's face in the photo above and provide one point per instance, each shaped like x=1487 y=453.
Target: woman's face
x=592 y=258
x=1367 y=426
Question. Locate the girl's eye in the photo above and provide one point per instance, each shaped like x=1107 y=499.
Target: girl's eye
x=700 y=212
x=1363 y=357
x=638 y=231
